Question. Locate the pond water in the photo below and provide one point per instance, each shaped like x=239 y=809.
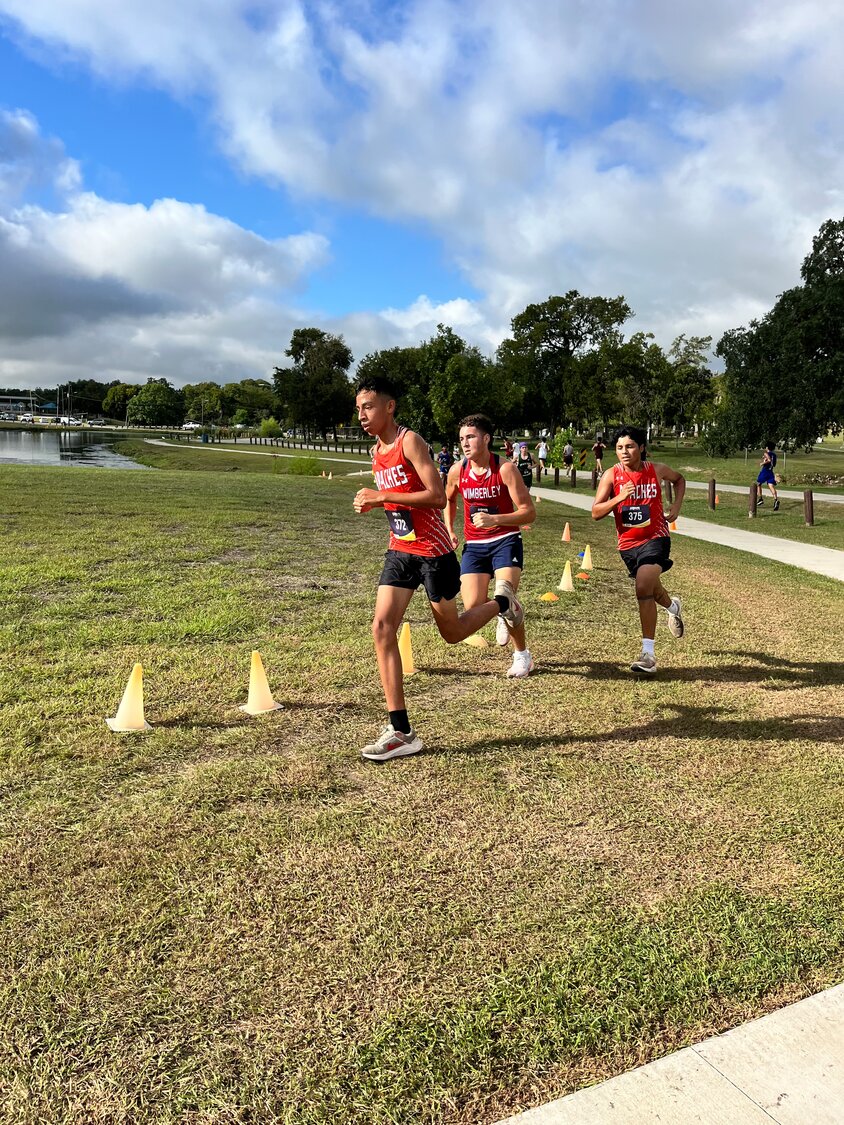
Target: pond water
x=61 y=447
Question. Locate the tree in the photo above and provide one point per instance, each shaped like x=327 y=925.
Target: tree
x=248 y=401
x=546 y=340
x=117 y=399
x=316 y=392
x=202 y=402
x=404 y=369
x=689 y=393
x=469 y=384
x=640 y=371
x=157 y=403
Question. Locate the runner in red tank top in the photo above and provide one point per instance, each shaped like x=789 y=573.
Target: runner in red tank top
x=496 y=504
x=632 y=491
x=409 y=489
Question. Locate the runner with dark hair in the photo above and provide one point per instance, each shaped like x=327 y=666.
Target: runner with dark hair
x=632 y=492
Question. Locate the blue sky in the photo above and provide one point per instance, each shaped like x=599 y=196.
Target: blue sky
x=182 y=186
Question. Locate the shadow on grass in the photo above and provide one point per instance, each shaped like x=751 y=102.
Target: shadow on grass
x=711 y=724
x=760 y=669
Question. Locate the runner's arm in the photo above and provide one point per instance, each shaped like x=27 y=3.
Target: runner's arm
x=524 y=511
x=433 y=495
x=666 y=473
x=451 y=494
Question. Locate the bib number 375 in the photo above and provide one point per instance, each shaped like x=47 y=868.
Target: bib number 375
x=636 y=515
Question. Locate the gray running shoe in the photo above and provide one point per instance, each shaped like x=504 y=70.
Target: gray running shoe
x=515 y=615
x=392 y=744
x=502 y=633
x=675 y=620
x=646 y=664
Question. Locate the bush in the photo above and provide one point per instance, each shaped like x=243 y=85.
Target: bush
x=270 y=428
x=307 y=466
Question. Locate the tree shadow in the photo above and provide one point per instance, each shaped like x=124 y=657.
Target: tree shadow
x=760 y=670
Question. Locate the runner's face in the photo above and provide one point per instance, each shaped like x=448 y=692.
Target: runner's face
x=628 y=452
x=375 y=411
x=474 y=443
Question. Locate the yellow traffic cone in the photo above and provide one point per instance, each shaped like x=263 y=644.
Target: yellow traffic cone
x=587 y=558
x=330 y=476
x=260 y=698
x=406 y=650
x=549 y=597
x=130 y=713
x=566 y=584
x=536 y=499
x=323 y=472
x=476 y=641
x=566 y=534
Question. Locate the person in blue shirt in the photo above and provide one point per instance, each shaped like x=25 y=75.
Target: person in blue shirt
x=766 y=476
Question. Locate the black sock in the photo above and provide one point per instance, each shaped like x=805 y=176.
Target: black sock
x=400 y=722
x=503 y=602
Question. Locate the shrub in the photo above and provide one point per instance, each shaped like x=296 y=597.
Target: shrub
x=270 y=428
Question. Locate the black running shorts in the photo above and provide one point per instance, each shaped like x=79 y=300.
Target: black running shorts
x=653 y=553
x=439 y=576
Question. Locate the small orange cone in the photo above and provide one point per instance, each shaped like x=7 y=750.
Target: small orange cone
x=717 y=499
x=130 y=713
x=566 y=534
x=549 y=597
x=323 y=472
x=673 y=526
x=476 y=641
x=587 y=558
x=260 y=699
x=566 y=584
x=406 y=650
x=584 y=576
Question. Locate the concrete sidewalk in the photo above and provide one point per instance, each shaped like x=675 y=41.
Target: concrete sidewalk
x=783 y=493
x=819 y=560
x=786 y=1067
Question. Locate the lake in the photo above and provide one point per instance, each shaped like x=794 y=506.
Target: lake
x=61 y=447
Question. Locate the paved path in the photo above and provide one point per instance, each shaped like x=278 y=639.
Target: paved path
x=785 y=493
x=256 y=453
x=819 y=560
x=785 y=1067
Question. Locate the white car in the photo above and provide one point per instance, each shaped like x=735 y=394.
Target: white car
x=192 y=426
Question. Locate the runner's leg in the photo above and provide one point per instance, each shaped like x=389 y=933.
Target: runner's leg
x=455 y=627
x=647 y=585
x=391 y=603
x=513 y=574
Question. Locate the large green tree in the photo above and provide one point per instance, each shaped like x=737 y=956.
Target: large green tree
x=689 y=395
x=403 y=367
x=203 y=402
x=117 y=399
x=157 y=403
x=315 y=392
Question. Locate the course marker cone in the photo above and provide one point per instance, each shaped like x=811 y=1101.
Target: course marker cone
x=476 y=641
x=566 y=534
x=566 y=584
x=536 y=499
x=260 y=698
x=130 y=713
x=331 y=476
x=406 y=650
x=323 y=472
x=549 y=597
x=717 y=498
x=582 y=574
x=587 y=558
x=673 y=526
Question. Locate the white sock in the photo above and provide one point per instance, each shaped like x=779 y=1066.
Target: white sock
x=522 y=652
x=648 y=646
x=674 y=607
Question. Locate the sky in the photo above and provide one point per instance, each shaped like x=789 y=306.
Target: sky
x=184 y=184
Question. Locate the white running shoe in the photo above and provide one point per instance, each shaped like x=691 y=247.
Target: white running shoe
x=515 y=615
x=675 y=619
x=522 y=665
x=646 y=664
x=502 y=633
x=392 y=744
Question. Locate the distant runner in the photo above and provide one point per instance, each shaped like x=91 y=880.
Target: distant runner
x=599 y=449
x=495 y=505
x=632 y=492
x=542 y=455
x=767 y=476
x=409 y=489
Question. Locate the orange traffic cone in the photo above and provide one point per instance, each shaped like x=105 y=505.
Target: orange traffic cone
x=260 y=699
x=673 y=526
x=566 y=534
x=406 y=650
x=130 y=713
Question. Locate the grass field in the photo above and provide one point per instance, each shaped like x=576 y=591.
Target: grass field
x=237 y=920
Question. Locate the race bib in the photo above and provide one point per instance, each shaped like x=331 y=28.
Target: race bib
x=636 y=515
x=401 y=524
x=490 y=509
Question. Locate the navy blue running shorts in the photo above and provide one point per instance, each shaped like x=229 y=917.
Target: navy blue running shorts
x=440 y=576
x=486 y=558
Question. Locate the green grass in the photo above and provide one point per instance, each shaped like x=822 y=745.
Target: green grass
x=230 y=919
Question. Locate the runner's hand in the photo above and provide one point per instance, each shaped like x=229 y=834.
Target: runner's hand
x=483 y=519
x=627 y=490
x=366 y=499
x=455 y=542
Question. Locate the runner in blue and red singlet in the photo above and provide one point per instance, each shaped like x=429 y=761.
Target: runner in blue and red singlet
x=632 y=491
x=496 y=505
x=409 y=489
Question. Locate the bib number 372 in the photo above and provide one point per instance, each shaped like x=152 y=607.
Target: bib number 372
x=401 y=524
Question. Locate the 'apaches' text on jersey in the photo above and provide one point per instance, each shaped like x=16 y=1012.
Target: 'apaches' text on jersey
x=640 y=517
x=417 y=531
x=487 y=493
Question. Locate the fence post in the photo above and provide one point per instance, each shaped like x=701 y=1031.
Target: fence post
x=556 y=474
x=594 y=479
x=809 y=507
x=538 y=473
x=574 y=477
x=711 y=498
x=751 y=502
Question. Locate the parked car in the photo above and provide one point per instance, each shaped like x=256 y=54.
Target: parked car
x=96 y=421
x=4 y=417
x=25 y=418
x=192 y=426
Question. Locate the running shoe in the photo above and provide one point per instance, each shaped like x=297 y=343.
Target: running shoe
x=675 y=619
x=515 y=614
x=777 y=505
x=502 y=633
x=760 y=501
x=392 y=744
x=522 y=665
x=646 y=664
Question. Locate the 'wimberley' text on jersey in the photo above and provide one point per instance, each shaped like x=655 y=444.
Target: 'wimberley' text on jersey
x=640 y=517
x=417 y=531
x=485 y=493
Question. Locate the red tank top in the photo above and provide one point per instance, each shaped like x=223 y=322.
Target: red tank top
x=640 y=517
x=416 y=531
x=487 y=493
